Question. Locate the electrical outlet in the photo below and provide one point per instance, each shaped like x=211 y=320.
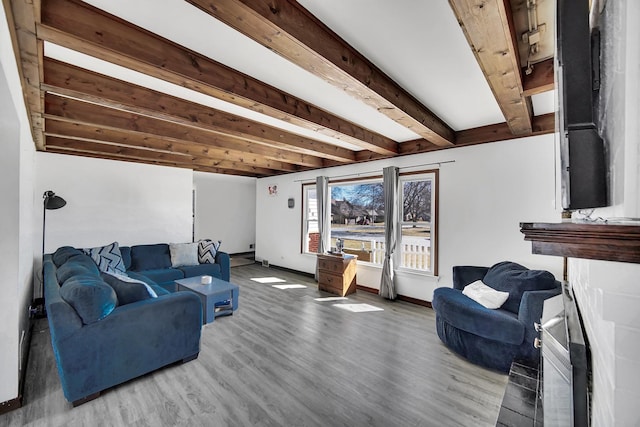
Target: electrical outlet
x=265 y=263
x=251 y=246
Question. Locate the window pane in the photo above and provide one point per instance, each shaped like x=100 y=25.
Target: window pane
x=357 y=218
x=415 y=245
x=311 y=235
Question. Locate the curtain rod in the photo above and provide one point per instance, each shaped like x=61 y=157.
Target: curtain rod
x=380 y=171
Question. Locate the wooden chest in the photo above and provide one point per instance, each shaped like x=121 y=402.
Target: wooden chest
x=337 y=274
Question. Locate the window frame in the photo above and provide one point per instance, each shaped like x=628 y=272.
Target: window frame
x=305 y=218
x=432 y=174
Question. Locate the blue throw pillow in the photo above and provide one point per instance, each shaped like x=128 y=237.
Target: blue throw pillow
x=207 y=250
x=516 y=279
x=128 y=290
x=108 y=258
x=92 y=299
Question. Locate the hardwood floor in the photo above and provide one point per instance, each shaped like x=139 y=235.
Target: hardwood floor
x=284 y=359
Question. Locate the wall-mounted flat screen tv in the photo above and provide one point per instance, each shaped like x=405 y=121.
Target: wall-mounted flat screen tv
x=583 y=173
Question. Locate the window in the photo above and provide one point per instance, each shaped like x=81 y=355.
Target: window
x=310 y=230
x=358 y=219
x=416 y=244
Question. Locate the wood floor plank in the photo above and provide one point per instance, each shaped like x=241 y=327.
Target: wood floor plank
x=285 y=359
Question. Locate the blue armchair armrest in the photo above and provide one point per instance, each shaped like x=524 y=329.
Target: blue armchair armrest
x=531 y=312
x=224 y=260
x=465 y=274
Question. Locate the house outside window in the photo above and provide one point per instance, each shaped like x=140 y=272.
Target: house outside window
x=358 y=217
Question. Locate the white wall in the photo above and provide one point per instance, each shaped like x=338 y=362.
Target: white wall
x=110 y=201
x=225 y=209
x=608 y=293
x=16 y=219
x=484 y=195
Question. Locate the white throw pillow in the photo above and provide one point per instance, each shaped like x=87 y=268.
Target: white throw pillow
x=183 y=254
x=485 y=295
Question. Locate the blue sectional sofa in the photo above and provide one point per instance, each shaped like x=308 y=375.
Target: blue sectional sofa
x=493 y=338
x=107 y=329
x=154 y=262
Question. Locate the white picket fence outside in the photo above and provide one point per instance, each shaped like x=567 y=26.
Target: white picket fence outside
x=416 y=253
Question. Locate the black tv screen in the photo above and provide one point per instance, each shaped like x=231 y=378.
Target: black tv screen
x=582 y=152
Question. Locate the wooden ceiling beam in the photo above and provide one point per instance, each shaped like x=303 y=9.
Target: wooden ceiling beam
x=79 y=26
x=80 y=112
x=22 y=16
x=78 y=83
x=68 y=152
x=487 y=25
x=541 y=79
x=112 y=150
x=288 y=29
x=543 y=124
x=127 y=138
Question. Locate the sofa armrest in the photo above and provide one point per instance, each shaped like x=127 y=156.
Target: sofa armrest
x=532 y=302
x=465 y=274
x=530 y=312
x=224 y=260
x=133 y=340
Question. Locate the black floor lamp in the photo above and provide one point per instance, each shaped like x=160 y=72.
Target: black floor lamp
x=50 y=202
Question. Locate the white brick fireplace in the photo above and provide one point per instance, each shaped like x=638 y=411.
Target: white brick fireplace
x=608 y=295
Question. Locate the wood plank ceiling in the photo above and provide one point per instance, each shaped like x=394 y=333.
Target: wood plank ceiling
x=80 y=112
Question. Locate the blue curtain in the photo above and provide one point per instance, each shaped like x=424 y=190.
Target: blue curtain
x=391 y=179
x=324 y=215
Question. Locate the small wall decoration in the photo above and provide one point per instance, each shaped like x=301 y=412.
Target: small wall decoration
x=273 y=190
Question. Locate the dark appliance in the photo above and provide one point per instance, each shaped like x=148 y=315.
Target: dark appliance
x=582 y=155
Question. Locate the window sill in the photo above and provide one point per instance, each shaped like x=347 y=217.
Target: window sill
x=411 y=272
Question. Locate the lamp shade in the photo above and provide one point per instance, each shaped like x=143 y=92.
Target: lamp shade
x=51 y=201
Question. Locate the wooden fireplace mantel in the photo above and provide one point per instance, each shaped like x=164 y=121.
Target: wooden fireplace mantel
x=609 y=242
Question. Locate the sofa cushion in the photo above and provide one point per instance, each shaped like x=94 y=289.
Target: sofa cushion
x=91 y=298
x=163 y=275
x=62 y=254
x=107 y=258
x=150 y=257
x=516 y=279
x=207 y=250
x=183 y=254
x=461 y=312
x=125 y=251
x=202 y=270
x=76 y=265
x=127 y=289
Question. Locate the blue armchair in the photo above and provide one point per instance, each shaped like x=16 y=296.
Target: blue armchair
x=494 y=338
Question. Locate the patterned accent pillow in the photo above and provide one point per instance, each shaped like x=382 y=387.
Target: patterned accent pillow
x=207 y=250
x=108 y=258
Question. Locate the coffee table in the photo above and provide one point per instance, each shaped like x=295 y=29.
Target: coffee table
x=213 y=296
